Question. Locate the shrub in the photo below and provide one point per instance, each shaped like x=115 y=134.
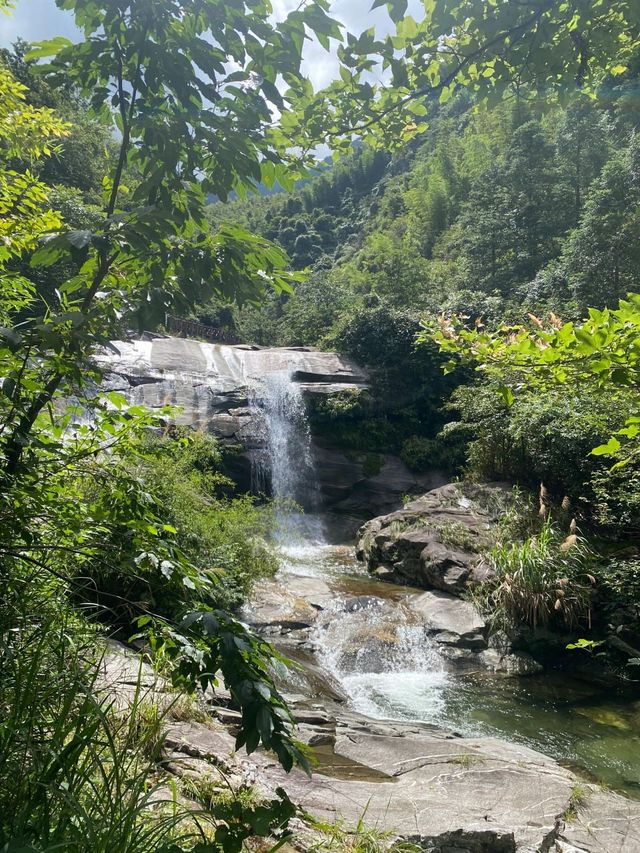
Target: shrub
x=224 y=539
x=619 y=594
x=424 y=454
x=544 y=581
x=616 y=490
x=543 y=437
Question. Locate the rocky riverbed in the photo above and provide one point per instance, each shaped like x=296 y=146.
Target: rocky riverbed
x=442 y=791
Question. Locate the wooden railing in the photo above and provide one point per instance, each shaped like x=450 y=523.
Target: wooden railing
x=193 y=329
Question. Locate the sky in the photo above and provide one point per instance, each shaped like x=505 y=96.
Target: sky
x=35 y=20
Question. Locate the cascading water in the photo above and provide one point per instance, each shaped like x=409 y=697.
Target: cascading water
x=382 y=658
x=285 y=464
x=385 y=664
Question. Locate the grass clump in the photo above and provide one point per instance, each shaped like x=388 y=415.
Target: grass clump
x=82 y=771
x=212 y=790
x=361 y=839
x=77 y=774
x=545 y=580
x=577 y=801
x=454 y=534
x=466 y=759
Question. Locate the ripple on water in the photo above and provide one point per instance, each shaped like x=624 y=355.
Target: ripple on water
x=390 y=669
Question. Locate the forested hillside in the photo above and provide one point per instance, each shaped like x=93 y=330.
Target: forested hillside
x=525 y=207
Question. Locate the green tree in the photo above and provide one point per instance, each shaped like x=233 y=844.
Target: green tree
x=487 y=233
x=602 y=258
x=582 y=149
x=82 y=158
x=188 y=125
x=537 y=199
x=516 y=212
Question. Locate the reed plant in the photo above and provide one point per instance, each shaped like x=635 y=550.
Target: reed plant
x=544 y=580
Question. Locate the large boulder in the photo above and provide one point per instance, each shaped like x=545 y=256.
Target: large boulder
x=436 y=541
x=450 y=621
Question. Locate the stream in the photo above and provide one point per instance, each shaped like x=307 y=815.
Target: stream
x=593 y=729
x=369 y=644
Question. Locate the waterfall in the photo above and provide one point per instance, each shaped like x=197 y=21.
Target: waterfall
x=284 y=466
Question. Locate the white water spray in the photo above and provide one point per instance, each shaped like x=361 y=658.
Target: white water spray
x=386 y=664
x=285 y=465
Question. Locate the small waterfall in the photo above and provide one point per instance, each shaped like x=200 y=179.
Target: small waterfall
x=383 y=659
x=284 y=467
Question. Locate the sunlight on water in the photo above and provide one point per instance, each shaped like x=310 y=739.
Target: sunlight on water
x=387 y=666
x=315 y=559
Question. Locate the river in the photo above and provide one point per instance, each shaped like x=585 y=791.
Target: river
x=591 y=727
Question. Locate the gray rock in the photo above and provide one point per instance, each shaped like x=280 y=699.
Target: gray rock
x=450 y=620
x=123 y=679
x=210 y=380
x=435 y=542
x=447 y=794
x=607 y=823
x=475 y=794
x=512 y=663
x=292 y=606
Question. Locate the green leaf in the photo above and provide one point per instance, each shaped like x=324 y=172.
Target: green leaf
x=44 y=49
x=608 y=449
x=507 y=395
x=78 y=239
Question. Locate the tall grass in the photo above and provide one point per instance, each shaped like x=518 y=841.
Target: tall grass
x=75 y=775
x=544 y=580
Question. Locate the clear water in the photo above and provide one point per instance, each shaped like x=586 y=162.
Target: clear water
x=591 y=727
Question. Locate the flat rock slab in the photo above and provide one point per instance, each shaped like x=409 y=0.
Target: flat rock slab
x=289 y=603
x=607 y=823
x=123 y=679
x=447 y=793
x=464 y=795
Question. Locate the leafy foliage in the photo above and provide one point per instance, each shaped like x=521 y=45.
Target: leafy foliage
x=542 y=46
x=183 y=492
x=78 y=772
x=544 y=580
x=194 y=96
x=150 y=245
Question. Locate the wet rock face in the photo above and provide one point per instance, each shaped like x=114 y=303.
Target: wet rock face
x=212 y=384
x=450 y=621
x=211 y=381
x=435 y=542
